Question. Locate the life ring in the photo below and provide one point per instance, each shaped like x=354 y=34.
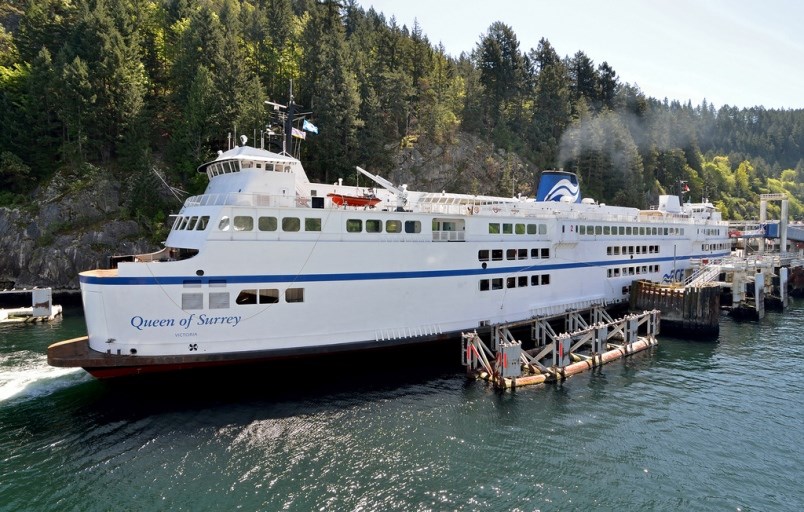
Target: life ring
x=476 y=209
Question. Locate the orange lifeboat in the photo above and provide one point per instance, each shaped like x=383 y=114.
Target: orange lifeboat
x=367 y=200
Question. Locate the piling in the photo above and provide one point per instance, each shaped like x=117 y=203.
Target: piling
x=687 y=311
x=508 y=366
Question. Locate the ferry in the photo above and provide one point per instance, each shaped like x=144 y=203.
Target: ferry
x=266 y=264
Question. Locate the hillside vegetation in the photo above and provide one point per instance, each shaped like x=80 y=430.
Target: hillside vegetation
x=126 y=86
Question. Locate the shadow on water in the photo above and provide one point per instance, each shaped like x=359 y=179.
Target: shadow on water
x=279 y=388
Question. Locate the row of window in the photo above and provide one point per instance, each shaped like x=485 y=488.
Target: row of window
x=269 y=296
x=495 y=228
x=716 y=247
x=229 y=166
x=294 y=224
x=376 y=226
x=189 y=223
x=217 y=300
x=514 y=282
x=710 y=231
x=630 y=271
x=616 y=250
x=512 y=254
x=625 y=230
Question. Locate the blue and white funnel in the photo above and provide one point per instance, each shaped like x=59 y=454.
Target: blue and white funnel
x=553 y=185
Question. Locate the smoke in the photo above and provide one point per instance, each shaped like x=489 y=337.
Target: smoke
x=614 y=133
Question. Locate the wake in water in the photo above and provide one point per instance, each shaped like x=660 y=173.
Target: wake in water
x=26 y=374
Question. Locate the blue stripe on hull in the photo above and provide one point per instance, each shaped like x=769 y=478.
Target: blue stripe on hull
x=362 y=276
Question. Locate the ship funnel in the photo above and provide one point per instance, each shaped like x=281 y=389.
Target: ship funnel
x=558 y=185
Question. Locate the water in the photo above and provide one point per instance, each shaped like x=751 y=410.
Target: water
x=692 y=426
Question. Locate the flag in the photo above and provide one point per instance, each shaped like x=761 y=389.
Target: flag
x=685 y=187
x=310 y=127
x=298 y=133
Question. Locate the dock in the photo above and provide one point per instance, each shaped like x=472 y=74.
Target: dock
x=42 y=308
x=589 y=339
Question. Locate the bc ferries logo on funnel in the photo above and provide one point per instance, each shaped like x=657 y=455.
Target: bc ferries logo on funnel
x=555 y=185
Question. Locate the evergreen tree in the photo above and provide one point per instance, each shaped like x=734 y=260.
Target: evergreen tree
x=329 y=87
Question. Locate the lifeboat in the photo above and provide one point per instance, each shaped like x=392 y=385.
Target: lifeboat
x=366 y=200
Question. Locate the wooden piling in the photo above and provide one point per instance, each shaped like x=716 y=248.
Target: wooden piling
x=687 y=311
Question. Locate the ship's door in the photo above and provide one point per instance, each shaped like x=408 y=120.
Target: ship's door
x=95 y=314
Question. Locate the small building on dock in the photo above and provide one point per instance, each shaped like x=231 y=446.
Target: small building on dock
x=42 y=308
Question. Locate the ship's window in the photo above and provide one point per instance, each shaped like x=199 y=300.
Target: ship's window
x=608 y=251
x=183 y=224
x=637 y=249
x=267 y=223
x=598 y=230
x=522 y=254
x=191 y=224
x=194 y=283
x=606 y=230
x=223 y=225
x=628 y=230
x=496 y=254
x=642 y=231
x=393 y=226
x=484 y=285
x=508 y=229
x=246 y=297
x=243 y=223
x=681 y=231
x=522 y=281
x=497 y=283
x=269 y=296
x=413 y=226
x=510 y=282
x=534 y=280
x=192 y=300
x=542 y=229
x=531 y=229
x=176 y=223
x=203 y=222
x=520 y=229
x=616 y=250
x=590 y=230
x=354 y=225
x=644 y=249
x=483 y=255
x=312 y=224
x=616 y=272
x=608 y=273
x=510 y=254
x=546 y=279
x=581 y=230
x=545 y=253
x=217 y=283
x=219 y=300
x=494 y=228
x=294 y=295
x=534 y=253
x=291 y=224
x=373 y=226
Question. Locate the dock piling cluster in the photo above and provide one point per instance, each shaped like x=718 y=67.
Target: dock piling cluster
x=587 y=345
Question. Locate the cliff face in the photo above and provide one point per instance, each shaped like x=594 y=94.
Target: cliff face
x=67 y=229
x=74 y=222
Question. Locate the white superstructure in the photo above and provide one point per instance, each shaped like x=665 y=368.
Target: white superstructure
x=265 y=261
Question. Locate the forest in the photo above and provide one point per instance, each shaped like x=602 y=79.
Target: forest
x=128 y=86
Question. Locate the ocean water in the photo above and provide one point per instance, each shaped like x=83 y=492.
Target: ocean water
x=683 y=426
